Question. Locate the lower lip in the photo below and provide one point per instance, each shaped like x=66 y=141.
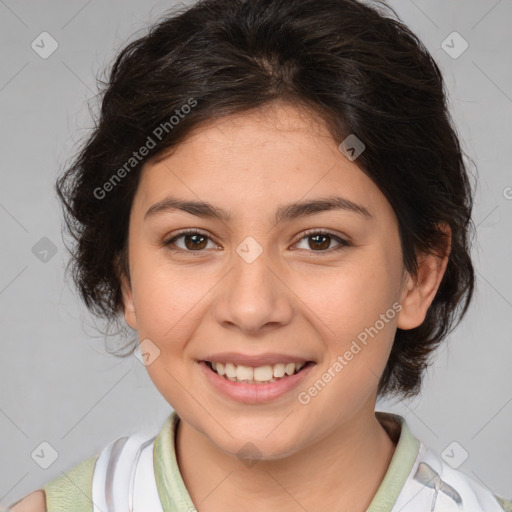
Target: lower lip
x=255 y=393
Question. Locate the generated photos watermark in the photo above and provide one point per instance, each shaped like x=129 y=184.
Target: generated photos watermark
x=304 y=397
x=156 y=136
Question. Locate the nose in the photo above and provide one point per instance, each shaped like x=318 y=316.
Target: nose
x=252 y=297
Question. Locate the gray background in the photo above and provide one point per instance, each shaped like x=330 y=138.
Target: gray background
x=59 y=384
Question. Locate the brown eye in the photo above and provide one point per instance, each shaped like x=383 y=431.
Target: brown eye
x=193 y=241
x=320 y=241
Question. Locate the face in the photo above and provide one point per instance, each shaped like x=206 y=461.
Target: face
x=248 y=285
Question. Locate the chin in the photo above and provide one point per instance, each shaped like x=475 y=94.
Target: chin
x=250 y=448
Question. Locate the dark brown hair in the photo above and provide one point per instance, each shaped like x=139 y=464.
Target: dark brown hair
x=357 y=67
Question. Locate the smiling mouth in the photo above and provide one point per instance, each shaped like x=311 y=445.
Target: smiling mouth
x=257 y=375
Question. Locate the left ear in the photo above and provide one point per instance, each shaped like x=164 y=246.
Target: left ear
x=418 y=291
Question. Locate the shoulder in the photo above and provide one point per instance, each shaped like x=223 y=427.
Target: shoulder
x=447 y=486
x=426 y=480
x=72 y=490
x=34 y=502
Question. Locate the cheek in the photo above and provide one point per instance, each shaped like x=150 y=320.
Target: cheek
x=164 y=306
x=356 y=321
x=169 y=301
x=348 y=299
x=352 y=309
x=169 y=309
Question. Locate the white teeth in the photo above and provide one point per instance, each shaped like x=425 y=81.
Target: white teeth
x=289 y=368
x=267 y=373
x=220 y=369
x=263 y=373
x=244 y=372
x=279 y=370
x=230 y=370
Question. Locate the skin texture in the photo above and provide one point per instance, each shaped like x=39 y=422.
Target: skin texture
x=34 y=502
x=332 y=453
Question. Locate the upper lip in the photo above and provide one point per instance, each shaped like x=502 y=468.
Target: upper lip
x=256 y=360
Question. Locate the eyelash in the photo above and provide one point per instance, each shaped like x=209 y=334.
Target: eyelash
x=342 y=242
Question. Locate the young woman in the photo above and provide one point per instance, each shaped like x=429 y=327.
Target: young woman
x=275 y=199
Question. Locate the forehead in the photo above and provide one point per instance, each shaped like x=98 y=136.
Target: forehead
x=256 y=160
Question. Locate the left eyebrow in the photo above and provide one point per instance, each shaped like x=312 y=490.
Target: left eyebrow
x=284 y=213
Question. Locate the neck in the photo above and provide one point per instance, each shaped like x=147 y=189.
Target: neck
x=342 y=471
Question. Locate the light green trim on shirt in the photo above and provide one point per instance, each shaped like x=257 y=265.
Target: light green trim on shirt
x=171 y=488
x=399 y=468
x=72 y=490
